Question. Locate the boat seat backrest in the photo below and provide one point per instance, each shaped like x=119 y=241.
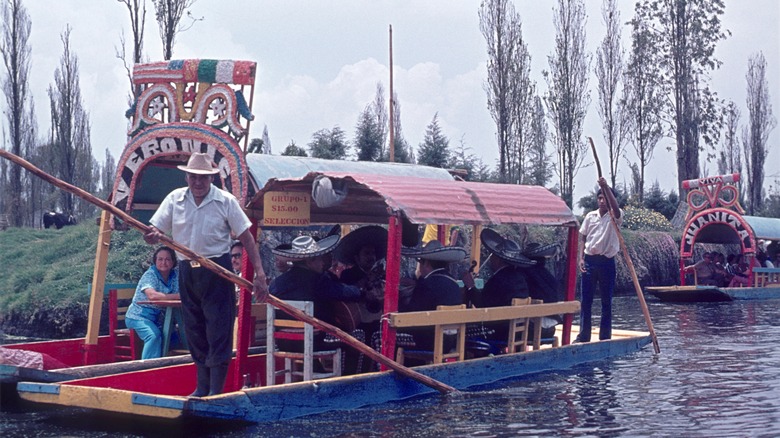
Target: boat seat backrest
x=125 y=342
x=518 y=329
x=296 y=364
x=438 y=355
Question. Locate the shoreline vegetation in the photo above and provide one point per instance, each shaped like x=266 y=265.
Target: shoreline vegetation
x=46 y=274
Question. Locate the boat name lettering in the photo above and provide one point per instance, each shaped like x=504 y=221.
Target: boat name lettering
x=721 y=216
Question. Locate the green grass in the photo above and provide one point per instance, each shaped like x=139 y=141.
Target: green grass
x=53 y=268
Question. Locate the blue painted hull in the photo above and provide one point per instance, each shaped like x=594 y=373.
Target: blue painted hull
x=344 y=393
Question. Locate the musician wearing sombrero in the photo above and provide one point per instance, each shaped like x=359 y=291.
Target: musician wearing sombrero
x=365 y=250
x=307 y=279
x=506 y=261
x=434 y=286
x=542 y=285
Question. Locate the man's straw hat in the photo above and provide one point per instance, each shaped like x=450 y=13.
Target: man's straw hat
x=201 y=164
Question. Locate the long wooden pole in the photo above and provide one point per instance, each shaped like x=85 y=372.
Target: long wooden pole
x=230 y=276
x=391 y=145
x=629 y=262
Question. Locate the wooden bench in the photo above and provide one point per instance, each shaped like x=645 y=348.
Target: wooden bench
x=443 y=318
x=766 y=277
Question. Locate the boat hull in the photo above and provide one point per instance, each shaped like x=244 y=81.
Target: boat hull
x=287 y=401
x=703 y=294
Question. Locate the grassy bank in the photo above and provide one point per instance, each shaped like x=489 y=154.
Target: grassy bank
x=46 y=274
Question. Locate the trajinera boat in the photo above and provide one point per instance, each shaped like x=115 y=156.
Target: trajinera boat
x=309 y=192
x=716 y=217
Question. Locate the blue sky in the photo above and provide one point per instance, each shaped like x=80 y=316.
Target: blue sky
x=319 y=62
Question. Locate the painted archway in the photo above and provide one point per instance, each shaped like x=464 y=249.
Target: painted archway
x=176 y=142
x=717 y=225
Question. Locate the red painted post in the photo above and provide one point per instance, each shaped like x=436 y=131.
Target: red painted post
x=572 y=268
x=245 y=326
x=392 y=281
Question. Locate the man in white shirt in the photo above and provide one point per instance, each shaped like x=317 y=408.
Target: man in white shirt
x=599 y=244
x=201 y=217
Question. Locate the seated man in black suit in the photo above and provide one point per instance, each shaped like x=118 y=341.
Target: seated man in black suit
x=434 y=286
x=508 y=281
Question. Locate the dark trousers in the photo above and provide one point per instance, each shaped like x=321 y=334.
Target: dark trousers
x=598 y=270
x=209 y=306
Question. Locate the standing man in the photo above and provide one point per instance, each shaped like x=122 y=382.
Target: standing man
x=201 y=217
x=599 y=244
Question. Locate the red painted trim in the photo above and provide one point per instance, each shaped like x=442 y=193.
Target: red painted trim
x=572 y=268
x=245 y=325
x=392 y=281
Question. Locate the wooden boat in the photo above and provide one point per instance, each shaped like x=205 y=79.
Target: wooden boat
x=389 y=194
x=369 y=198
x=715 y=216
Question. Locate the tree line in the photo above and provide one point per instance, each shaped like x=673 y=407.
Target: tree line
x=659 y=86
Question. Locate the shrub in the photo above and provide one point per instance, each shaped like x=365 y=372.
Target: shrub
x=642 y=219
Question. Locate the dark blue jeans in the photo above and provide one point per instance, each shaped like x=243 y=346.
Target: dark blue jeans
x=601 y=270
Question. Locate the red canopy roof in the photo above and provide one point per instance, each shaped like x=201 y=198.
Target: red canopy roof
x=372 y=198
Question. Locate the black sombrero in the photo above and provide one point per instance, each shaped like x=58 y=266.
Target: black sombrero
x=350 y=245
x=305 y=247
x=533 y=250
x=434 y=250
x=505 y=249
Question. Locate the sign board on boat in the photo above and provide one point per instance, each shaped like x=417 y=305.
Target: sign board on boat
x=286 y=209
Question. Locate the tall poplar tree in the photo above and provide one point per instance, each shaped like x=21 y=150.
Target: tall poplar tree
x=16 y=55
x=609 y=71
x=568 y=96
x=761 y=122
x=71 y=148
x=685 y=34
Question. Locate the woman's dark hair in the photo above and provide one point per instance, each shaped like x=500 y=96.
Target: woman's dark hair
x=170 y=251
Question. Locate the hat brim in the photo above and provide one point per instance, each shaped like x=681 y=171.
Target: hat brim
x=198 y=171
x=351 y=244
x=545 y=251
x=441 y=254
x=494 y=243
x=325 y=245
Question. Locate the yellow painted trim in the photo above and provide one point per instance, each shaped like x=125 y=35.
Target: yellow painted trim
x=435 y=317
x=105 y=399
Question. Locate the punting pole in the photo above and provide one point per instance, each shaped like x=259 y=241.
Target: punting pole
x=629 y=263
x=230 y=276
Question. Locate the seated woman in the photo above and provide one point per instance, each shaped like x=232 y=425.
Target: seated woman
x=705 y=271
x=159 y=282
x=739 y=272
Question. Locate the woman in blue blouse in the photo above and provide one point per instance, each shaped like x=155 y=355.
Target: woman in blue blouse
x=159 y=282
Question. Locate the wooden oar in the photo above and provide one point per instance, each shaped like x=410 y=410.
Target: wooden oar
x=629 y=263
x=224 y=273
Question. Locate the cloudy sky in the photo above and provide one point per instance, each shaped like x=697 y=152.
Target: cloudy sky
x=319 y=63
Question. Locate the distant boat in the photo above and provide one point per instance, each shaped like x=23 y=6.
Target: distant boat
x=715 y=216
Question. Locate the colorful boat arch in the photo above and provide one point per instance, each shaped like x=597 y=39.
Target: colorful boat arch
x=181 y=107
x=173 y=143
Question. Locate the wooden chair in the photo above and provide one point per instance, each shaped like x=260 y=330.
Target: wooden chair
x=438 y=355
x=537 y=335
x=296 y=364
x=124 y=341
x=519 y=327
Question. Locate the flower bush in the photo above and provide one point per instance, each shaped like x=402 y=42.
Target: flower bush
x=642 y=219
